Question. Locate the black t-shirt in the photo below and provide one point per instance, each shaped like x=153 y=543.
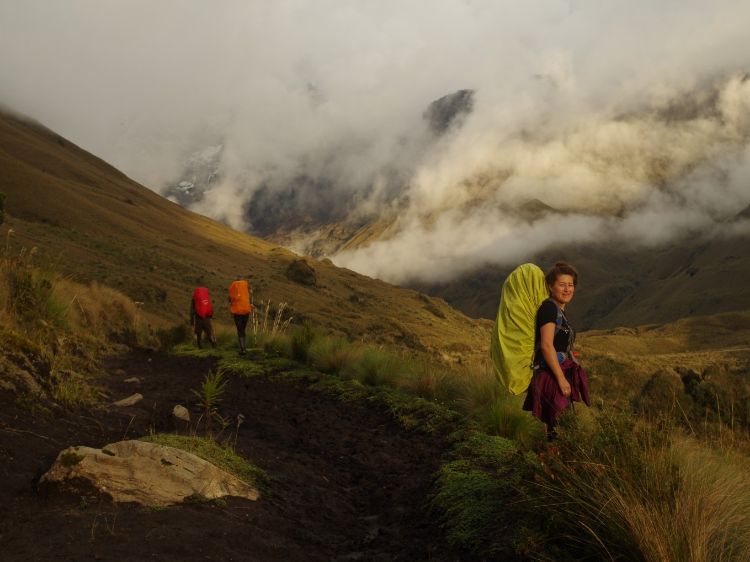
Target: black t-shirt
x=563 y=338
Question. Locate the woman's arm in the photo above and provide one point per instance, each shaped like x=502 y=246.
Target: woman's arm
x=547 y=347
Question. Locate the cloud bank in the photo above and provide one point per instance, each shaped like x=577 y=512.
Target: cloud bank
x=630 y=119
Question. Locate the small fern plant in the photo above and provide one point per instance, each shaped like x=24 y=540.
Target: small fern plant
x=209 y=395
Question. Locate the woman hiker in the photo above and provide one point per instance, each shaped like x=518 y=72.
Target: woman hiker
x=558 y=379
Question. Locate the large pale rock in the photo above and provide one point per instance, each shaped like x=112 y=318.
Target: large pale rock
x=145 y=473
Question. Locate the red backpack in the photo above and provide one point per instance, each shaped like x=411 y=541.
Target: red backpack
x=202 y=302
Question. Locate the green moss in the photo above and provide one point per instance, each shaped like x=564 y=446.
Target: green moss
x=70 y=458
x=481 y=496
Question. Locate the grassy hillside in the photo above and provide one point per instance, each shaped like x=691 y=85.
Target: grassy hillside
x=95 y=224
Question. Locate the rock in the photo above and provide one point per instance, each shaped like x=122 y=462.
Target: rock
x=134 y=380
x=181 y=413
x=449 y=110
x=129 y=401
x=301 y=272
x=144 y=473
x=120 y=372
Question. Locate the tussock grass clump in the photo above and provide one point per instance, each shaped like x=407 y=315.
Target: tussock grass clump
x=621 y=487
x=100 y=310
x=332 y=355
x=269 y=321
x=301 y=339
x=278 y=344
x=29 y=292
x=375 y=367
x=504 y=417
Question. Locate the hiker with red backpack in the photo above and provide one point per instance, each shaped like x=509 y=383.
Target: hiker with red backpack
x=240 y=304
x=201 y=312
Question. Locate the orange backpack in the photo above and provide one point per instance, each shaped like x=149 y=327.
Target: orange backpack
x=239 y=297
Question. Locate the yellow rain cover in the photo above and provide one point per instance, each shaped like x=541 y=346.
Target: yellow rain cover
x=512 y=347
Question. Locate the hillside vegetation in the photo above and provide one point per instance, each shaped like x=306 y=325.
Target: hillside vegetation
x=94 y=224
x=655 y=470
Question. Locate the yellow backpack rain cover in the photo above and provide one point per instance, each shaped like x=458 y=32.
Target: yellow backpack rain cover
x=512 y=346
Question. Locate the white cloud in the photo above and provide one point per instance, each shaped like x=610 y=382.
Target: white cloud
x=591 y=107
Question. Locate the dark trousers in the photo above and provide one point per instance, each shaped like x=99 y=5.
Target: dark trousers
x=203 y=325
x=240 y=320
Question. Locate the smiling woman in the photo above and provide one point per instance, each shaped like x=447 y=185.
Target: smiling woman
x=558 y=378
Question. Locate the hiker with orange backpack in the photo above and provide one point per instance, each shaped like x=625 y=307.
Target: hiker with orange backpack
x=201 y=312
x=241 y=306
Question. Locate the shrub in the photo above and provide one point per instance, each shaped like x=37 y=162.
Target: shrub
x=482 y=499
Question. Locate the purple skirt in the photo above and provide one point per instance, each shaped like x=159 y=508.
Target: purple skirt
x=545 y=400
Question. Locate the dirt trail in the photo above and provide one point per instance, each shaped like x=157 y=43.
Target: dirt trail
x=347 y=483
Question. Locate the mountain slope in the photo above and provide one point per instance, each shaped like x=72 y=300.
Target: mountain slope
x=95 y=224
x=623 y=286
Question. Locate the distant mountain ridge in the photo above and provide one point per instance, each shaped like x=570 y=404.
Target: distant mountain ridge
x=622 y=283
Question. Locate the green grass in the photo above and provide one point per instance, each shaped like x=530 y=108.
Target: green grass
x=209 y=450
x=610 y=487
x=504 y=417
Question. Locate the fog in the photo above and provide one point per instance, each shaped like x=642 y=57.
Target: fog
x=623 y=121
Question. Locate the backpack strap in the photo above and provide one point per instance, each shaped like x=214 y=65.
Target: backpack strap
x=558 y=325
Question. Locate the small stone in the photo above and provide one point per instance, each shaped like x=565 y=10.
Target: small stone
x=181 y=413
x=134 y=380
x=120 y=372
x=129 y=401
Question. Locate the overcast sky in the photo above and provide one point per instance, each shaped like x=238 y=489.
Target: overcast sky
x=636 y=110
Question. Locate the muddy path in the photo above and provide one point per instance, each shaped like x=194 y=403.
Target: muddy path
x=346 y=482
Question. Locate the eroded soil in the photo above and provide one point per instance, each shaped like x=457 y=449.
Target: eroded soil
x=347 y=482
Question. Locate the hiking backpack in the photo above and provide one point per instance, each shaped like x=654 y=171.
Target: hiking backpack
x=202 y=303
x=512 y=345
x=239 y=297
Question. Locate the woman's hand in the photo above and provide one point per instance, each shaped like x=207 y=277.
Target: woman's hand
x=564 y=386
